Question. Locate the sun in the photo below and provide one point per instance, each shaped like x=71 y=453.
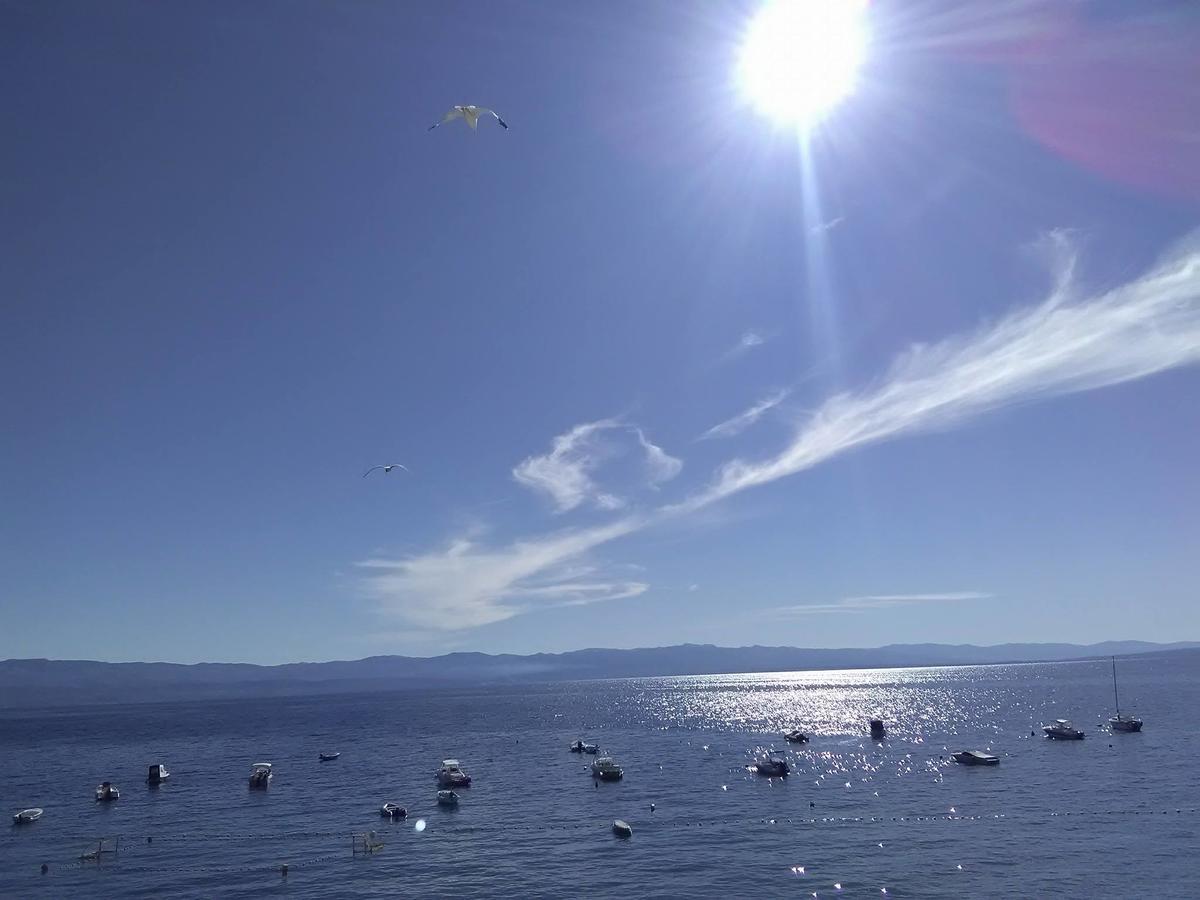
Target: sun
x=801 y=57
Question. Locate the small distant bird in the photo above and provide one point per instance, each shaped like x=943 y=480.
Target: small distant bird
x=386 y=469
x=471 y=114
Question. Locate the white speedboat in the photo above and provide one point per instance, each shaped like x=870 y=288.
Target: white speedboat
x=605 y=768
x=26 y=816
x=772 y=767
x=447 y=798
x=393 y=811
x=158 y=774
x=261 y=775
x=1062 y=730
x=976 y=758
x=107 y=792
x=796 y=737
x=1120 y=723
x=451 y=774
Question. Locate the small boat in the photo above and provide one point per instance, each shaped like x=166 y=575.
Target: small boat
x=878 y=732
x=605 y=768
x=1120 y=723
x=158 y=774
x=26 y=816
x=1062 y=730
x=621 y=828
x=976 y=758
x=796 y=737
x=593 y=749
x=451 y=774
x=577 y=747
x=447 y=798
x=261 y=775
x=772 y=767
x=393 y=811
x=107 y=792
x=328 y=757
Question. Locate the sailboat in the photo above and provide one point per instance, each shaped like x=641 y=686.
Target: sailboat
x=1127 y=724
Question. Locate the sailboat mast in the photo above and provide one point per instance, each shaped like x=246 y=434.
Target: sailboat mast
x=1116 y=700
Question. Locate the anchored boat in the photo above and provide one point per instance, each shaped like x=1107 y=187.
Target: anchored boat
x=1062 y=730
x=605 y=768
x=451 y=774
x=158 y=774
x=1120 y=723
x=261 y=775
x=976 y=758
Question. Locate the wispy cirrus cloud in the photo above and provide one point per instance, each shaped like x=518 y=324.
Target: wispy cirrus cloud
x=1062 y=346
x=565 y=473
x=747 y=417
x=1065 y=345
x=467 y=584
x=879 y=601
x=747 y=342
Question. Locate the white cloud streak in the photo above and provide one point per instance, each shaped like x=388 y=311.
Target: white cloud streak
x=1058 y=347
x=743 y=420
x=1062 y=346
x=879 y=601
x=747 y=342
x=565 y=473
x=660 y=465
x=466 y=585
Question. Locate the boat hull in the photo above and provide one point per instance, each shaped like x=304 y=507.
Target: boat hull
x=1126 y=726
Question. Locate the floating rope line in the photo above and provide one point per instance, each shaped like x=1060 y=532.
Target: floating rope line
x=651 y=825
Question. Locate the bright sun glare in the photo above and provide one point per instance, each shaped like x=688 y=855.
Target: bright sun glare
x=800 y=57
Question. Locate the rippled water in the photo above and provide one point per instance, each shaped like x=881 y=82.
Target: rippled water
x=1113 y=815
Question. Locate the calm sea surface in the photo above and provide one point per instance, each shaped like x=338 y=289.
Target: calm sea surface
x=1110 y=816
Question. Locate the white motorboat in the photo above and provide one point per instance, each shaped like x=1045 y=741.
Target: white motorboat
x=605 y=768
x=1120 y=723
x=796 y=737
x=976 y=758
x=621 y=828
x=261 y=774
x=447 y=798
x=107 y=792
x=328 y=757
x=593 y=749
x=451 y=774
x=1062 y=730
x=26 y=816
x=393 y=811
x=772 y=767
x=158 y=774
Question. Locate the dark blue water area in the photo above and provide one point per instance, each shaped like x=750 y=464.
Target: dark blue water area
x=1109 y=816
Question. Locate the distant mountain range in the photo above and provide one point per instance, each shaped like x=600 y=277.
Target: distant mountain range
x=45 y=682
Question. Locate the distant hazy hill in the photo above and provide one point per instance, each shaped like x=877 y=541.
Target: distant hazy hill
x=43 y=682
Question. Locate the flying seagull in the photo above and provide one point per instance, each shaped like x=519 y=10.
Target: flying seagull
x=471 y=114
x=385 y=468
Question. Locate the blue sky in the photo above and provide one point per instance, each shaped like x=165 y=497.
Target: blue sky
x=958 y=323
